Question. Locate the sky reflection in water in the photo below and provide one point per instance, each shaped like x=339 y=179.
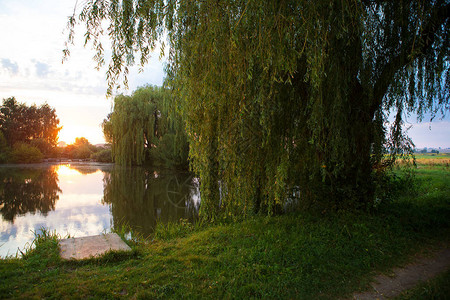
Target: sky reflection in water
x=87 y=200
x=78 y=211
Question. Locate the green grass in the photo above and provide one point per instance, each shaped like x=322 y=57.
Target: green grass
x=301 y=255
x=432 y=155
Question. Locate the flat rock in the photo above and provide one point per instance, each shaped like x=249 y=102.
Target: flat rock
x=91 y=246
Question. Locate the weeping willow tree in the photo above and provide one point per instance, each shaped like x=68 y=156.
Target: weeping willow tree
x=144 y=129
x=285 y=98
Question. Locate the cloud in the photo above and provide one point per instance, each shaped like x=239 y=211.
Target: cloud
x=42 y=69
x=11 y=66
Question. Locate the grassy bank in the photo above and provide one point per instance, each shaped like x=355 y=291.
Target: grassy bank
x=299 y=255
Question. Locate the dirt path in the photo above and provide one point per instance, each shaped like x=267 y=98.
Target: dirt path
x=384 y=287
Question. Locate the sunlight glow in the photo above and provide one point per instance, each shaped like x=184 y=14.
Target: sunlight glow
x=67 y=171
x=69 y=133
x=66 y=135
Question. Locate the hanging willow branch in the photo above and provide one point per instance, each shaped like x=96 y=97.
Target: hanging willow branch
x=144 y=129
x=285 y=99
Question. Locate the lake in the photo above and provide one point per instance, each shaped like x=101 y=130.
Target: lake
x=82 y=199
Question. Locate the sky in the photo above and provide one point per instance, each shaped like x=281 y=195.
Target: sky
x=32 y=35
x=32 y=38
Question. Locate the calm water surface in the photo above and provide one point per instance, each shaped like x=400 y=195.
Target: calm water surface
x=89 y=199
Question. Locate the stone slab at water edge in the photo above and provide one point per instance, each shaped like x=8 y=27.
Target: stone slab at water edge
x=91 y=246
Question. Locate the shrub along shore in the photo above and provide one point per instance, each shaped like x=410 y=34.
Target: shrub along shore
x=299 y=255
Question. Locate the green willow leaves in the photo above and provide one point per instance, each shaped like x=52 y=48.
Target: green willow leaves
x=143 y=129
x=284 y=98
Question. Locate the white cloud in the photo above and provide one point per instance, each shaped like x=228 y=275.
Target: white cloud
x=42 y=69
x=10 y=66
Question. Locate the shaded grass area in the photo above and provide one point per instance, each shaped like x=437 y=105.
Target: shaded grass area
x=299 y=255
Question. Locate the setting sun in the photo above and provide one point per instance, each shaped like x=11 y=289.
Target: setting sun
x=69 y=133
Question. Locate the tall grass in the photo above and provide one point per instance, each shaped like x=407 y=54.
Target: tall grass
x=128 y=234
x=178 y=229
x=43 y=250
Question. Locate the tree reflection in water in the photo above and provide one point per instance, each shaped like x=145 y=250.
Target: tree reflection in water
x=140 y=197
x=27 y=190
x=89 y=168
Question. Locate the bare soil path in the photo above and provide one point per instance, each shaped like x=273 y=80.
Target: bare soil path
x=402 y=279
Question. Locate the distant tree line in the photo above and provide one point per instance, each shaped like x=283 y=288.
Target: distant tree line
x=27 y=133
x=83 y=149
x=425 y=150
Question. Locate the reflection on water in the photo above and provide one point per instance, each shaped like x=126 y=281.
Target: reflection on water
x=27 y=191
x=88 y=199
x=140 y=197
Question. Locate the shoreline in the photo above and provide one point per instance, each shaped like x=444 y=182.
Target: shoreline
x=55 y=163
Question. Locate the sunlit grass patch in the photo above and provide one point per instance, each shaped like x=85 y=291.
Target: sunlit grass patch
x=433 y=159
x=430 y=160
